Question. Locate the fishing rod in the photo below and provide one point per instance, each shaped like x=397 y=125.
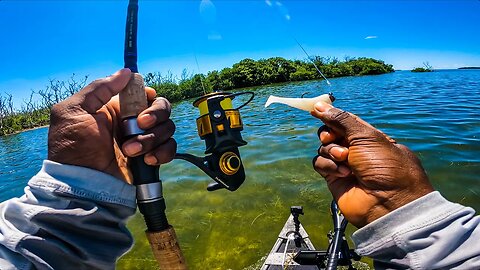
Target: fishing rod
x=219 y=124
x=133 y=100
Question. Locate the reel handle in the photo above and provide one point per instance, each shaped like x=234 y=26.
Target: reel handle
x=212 y=166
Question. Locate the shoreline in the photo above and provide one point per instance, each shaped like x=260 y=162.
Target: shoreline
x=23 y=130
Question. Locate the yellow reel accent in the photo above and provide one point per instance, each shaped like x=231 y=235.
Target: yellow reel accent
x=234 y=117
x=204 y=126
x=229 y=163
x=201 y=103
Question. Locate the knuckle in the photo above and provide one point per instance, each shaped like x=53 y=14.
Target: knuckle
x=166 y=153
x=164 y=102
x=324 y=150
x=321 y=129
x=172 y=126
x=324 y=164
x=174 y=145
x=98 y=83
x=56 y=109
x=338 y=115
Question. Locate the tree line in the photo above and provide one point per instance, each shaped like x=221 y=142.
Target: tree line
x=246 y=73
x=35 y=111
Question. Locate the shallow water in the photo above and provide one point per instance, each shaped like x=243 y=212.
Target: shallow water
x=435 y=114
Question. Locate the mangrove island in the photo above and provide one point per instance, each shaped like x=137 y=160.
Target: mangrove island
x=246 y=73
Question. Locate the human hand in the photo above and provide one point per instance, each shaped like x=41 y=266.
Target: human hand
x=367 y=172
x=85 y=131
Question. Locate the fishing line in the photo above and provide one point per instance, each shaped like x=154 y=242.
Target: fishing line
x=198 y=68
x=283 y=10
x=309 y=58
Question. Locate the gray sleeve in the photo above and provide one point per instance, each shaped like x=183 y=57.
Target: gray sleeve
x=69 y=218
x=428 y=233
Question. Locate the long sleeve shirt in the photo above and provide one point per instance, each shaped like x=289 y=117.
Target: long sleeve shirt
x=74 y=218
x=428 y=233
x=69 y=218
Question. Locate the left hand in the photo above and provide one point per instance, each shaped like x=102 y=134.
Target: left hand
x=368 y=173
x=84 y=129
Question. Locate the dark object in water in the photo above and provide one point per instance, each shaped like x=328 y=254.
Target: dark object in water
x=294 y=250
x=469 y=68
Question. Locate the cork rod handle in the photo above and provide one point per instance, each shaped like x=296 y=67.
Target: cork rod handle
x=133 y=99
x=164 y=243
x=166 y=249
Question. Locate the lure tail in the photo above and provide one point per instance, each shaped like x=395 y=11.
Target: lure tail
x=270 y=100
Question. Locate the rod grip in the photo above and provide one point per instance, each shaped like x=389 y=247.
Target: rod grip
x=166 y=249
x=133 y=99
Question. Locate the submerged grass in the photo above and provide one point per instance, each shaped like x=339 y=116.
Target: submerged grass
x=235 y=230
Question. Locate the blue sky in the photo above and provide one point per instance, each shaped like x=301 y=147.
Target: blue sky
x=44 y=40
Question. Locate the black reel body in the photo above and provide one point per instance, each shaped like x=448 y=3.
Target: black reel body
x=220 y=125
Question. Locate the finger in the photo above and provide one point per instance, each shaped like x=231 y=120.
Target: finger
x=98 y=93
x=335 y=151
x=372 y=127
x=162 y=154
x=336 y=119
x=326 y=135
x=344 y=123
x=158 y=112
x=152 y=138
x=151 y=93
x=327 y=167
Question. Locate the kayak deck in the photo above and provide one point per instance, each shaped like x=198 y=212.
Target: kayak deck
x=282 y=253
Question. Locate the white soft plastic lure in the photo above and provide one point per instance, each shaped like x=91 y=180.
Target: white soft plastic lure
x=305 y=104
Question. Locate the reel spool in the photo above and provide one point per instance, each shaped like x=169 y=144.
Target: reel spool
x=220 y=125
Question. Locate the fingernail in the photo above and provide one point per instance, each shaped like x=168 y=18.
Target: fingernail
x=324 y=135
x=337 y=152
x=322 y=106
x=344 y=170
x=151 y=160
x=133 y=148
x=147 y=120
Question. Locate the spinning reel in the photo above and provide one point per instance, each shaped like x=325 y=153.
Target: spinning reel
x=220 y=125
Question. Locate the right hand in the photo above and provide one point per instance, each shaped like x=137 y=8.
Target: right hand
x=368 y=173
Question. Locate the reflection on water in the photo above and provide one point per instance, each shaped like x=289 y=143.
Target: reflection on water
x=435 y=114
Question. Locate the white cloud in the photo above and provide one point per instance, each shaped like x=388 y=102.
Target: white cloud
x=287 y=17
x=268 y=2
x=370 y=37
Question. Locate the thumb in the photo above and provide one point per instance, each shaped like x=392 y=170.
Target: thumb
x=342 y=122
x=99 y=92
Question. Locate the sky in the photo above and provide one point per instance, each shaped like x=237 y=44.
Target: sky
x=43 y=40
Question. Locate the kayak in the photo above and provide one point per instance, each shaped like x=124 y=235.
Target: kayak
x=294 y=250
x=285 y=248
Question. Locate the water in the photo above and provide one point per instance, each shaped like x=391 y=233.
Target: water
x=435 y=114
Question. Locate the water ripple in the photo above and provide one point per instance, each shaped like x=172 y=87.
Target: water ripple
x=435 y=114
